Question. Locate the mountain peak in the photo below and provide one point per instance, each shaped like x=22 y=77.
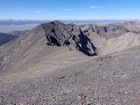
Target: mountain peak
x=70 y=35
x=56 y=22
x=53 y=23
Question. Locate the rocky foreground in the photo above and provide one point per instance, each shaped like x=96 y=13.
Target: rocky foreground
x=54 y=65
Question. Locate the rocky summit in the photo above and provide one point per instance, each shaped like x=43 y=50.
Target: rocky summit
x=68 y=64
x=59 y=34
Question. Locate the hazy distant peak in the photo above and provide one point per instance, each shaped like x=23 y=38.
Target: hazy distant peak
x=127 y=22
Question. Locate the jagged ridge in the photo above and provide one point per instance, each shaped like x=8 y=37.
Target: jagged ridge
x=70 y=35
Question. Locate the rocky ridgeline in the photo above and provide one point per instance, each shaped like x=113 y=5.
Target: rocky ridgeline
x=107 y=31
x=76 y=37
x=70 y=35
x=90 y=39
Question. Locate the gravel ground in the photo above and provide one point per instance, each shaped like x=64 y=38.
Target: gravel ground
x=107 y=80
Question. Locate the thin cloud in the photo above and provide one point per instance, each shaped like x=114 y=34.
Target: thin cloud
x=92 y=7
x=76 y=9
x=98 y=10
x=66 y=9
x=38 y=11
x=72 y=9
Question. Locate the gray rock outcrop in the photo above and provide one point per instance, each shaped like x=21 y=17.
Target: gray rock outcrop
x=59 y=34
x=107 y=31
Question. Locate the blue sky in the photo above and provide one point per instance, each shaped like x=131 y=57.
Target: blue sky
x=69 y=9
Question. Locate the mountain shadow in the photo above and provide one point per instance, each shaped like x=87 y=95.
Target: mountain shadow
x=5 y=38
x=87 y=46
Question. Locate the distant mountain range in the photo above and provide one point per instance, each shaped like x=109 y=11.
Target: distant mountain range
x=23 y=22
x=6 y=26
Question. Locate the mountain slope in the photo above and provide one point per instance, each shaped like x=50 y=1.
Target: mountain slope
x=50 y=65
x=106 y=31
x=125 y=41
x=5 y=38
x=37 y=43
x=131 y=25
x=104 y=80
x=17 y=33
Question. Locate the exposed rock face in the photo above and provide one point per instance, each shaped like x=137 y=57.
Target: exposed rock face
x=59 y=34
x=117 y=27
x=101 y=30
x=131 y=25
x=55 y=33
x=116 y=31
x=107 y=31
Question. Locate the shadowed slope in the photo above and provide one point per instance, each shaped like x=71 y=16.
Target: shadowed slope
x=5 y=38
